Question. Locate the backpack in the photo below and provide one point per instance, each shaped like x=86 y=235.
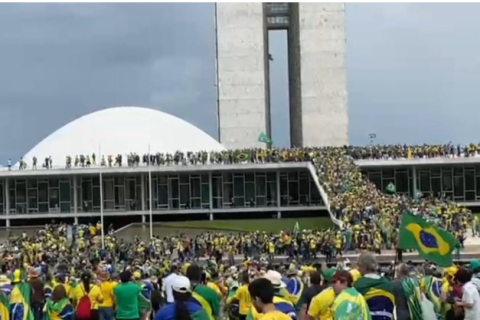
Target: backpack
x=84 y=307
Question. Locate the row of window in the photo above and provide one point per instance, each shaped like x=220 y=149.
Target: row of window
x=185 y=191
x=460 y=183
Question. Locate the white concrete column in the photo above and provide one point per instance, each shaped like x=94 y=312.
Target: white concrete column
x=278 y=189
x=75 y=198
x=279 y=215
x=144 y=220
x=75 y=220
x=211 y=216
x=414 y=182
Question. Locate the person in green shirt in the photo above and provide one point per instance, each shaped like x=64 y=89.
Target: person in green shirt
x=124 y=293
x=206 y=296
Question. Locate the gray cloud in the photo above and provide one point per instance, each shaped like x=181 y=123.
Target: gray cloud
x=412 y=68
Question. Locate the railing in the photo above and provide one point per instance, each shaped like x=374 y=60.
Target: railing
x=323 y=194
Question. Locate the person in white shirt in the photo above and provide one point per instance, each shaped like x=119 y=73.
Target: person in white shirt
x=470 y=301
x=168 y=282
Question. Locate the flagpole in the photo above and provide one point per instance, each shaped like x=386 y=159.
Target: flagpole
x=150 y=193
x=101 y=203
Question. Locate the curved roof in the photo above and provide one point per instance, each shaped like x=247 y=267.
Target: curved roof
x=122 y=130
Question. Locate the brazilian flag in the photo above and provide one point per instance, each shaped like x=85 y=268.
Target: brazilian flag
x=391 y=189
x=60 y=310
x=431 y=242
x=4 y=307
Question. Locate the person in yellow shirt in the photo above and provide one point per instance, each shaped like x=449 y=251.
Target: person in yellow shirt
x=85 y=287
x=243 y=297
x=106 y=308
x=319 y=308
x=262 y=292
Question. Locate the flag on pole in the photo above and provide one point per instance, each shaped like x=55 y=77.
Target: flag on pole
x=431 y=242
x=263 y=138
x=296 y=228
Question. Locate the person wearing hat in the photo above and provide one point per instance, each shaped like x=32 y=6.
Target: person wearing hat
x=320 y=305
x=281 y=302
x=183 y=306
x=21 y=291
x=106 y=287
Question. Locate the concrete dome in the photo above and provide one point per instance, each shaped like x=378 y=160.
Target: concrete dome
x=122 y=130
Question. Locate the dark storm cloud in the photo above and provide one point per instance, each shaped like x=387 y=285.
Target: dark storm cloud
x=415 y=67
x=61 y=61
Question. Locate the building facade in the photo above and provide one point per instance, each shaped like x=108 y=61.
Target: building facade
x=316 y=72
x=88 y=192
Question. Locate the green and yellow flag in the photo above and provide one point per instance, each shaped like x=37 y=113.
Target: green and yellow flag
x=60 y=310
x=263 y=138
x=4 y=307
x=431 y=242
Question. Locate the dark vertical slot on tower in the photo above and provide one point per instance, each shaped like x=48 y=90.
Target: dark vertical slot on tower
x=279 y=87
x=294 y=76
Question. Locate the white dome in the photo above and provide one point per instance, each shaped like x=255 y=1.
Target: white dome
x=122 y=130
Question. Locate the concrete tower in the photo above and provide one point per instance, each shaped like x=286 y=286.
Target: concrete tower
x=317 y=80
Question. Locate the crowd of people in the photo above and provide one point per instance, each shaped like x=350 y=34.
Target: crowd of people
x=258 y=155
x=51 y=276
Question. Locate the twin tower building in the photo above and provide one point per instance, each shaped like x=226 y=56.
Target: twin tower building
x=316 y=72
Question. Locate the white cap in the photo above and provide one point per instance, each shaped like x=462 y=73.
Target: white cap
x=181 y=284
x=275 y=278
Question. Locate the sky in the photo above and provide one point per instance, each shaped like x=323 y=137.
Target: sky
x=413 y=70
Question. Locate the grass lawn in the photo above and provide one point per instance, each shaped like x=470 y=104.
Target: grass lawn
x=268 y=225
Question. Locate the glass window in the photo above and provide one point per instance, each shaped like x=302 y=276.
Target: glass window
x=195 y=188
x=87 y=191
x=238 y=187
x=283 y=186
x=435 y=172
x=65 y=192
x=436 y=186
x=315 y=197
x=477 y=185
x=401 y=181
x=249 y=177
x=32 y=183
x=271 y=176
x=2 y=193
x=293 y=193
x=21 y=192
x=458 y=171
x=376 y=179
x=458 y=190
x=163 y=196
x=130 y=191
x=96 y=181
x=227 y=193
x=54 y=200
x=162 y=179
x=184 y=178
x=53 y=182
x=470 y=196
x=205 y=193
x=119 y=180
x=272 y=193
x=293 y=175
x=447 y=182
x=388 y=173
x=250 y=191
x=217 y=187
x=260 y=186
x=205 y=178
x=184 y=195
x=32 y=199
x=120 y=196
x=43 y=192
x=174 y=189
x=108 y=191
x=469 y=180
x=239 y=202
x=424 y=181
x=95 y=196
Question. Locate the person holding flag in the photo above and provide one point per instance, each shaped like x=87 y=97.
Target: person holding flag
x=348 y=303
x=58 y=307
x=20 y=298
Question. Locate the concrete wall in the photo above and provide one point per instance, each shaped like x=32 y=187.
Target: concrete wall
x=324 y=117
x=241 y=74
